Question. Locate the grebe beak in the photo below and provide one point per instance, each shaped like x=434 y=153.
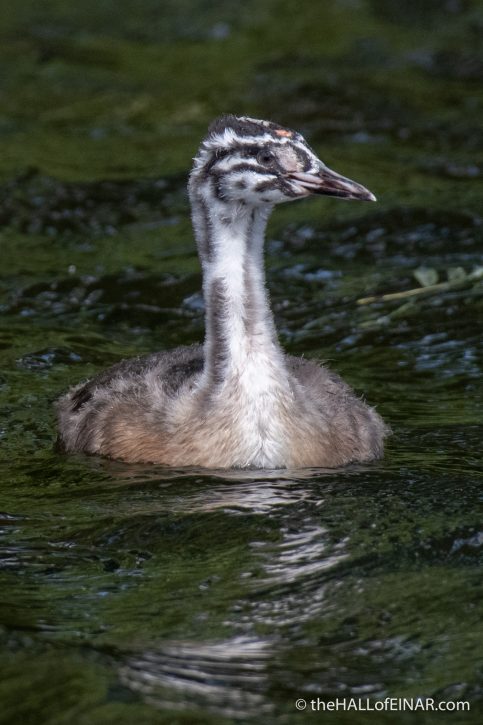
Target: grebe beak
x=329 y=183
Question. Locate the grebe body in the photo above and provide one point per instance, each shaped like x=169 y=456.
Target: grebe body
x=237 y=401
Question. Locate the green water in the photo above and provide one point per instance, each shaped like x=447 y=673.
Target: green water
x=137 y=594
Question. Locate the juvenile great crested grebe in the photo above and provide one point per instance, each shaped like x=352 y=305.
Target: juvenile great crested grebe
x=238 y=401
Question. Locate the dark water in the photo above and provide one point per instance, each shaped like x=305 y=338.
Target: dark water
x=137 y=594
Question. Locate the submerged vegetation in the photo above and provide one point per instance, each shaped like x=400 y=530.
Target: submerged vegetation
x=177 y=596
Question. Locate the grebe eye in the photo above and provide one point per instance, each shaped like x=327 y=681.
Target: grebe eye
x=265 y=157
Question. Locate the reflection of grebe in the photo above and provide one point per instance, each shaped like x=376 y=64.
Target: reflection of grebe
x=238 y=401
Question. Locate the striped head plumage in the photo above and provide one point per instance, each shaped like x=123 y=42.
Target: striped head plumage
x=259 y=163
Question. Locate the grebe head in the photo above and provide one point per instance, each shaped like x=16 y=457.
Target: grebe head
x=251 y=162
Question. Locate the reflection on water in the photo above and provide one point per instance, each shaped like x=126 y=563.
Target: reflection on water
x=302 y=555
x=227 y=677
x=234 y=597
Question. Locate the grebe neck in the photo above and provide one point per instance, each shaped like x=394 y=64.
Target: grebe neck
x=239 y=324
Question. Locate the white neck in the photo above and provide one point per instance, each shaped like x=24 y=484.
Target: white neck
x=239 y=325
